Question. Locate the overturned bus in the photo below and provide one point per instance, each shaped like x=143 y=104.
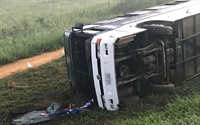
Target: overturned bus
x=147 y=50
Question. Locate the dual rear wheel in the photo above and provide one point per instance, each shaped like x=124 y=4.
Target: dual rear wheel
x=159 y=29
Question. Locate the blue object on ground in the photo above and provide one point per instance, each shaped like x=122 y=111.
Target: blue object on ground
x=70 y=112
x=73 y=111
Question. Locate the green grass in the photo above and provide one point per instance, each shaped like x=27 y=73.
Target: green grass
x=182 y=111
x=182 y=107
x=30 y=27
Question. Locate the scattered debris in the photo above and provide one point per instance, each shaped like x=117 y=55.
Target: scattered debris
x=54 y=107
x=31 y=118
x=71 y=111
x=86 y=107
x=11 y=85
x=43 y=114
x=53 y=111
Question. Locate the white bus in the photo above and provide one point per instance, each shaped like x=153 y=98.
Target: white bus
x=148 y=50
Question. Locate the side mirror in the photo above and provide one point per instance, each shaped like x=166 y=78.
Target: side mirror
x=78 y=26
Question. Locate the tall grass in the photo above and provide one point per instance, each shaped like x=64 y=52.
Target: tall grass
x=30 y=27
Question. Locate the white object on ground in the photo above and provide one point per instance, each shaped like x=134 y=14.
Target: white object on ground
x=29 y=65
x=63 y=52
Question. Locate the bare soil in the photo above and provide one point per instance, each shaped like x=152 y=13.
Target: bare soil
x=35 y=61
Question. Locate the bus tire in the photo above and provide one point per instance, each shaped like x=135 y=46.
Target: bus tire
x=162 y=88
x=159 y=29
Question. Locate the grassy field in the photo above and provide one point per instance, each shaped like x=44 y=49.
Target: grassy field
x=35 y=87
x=38 y=25
x=28 y=28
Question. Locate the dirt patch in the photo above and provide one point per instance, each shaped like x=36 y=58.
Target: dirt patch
x=35 y=61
